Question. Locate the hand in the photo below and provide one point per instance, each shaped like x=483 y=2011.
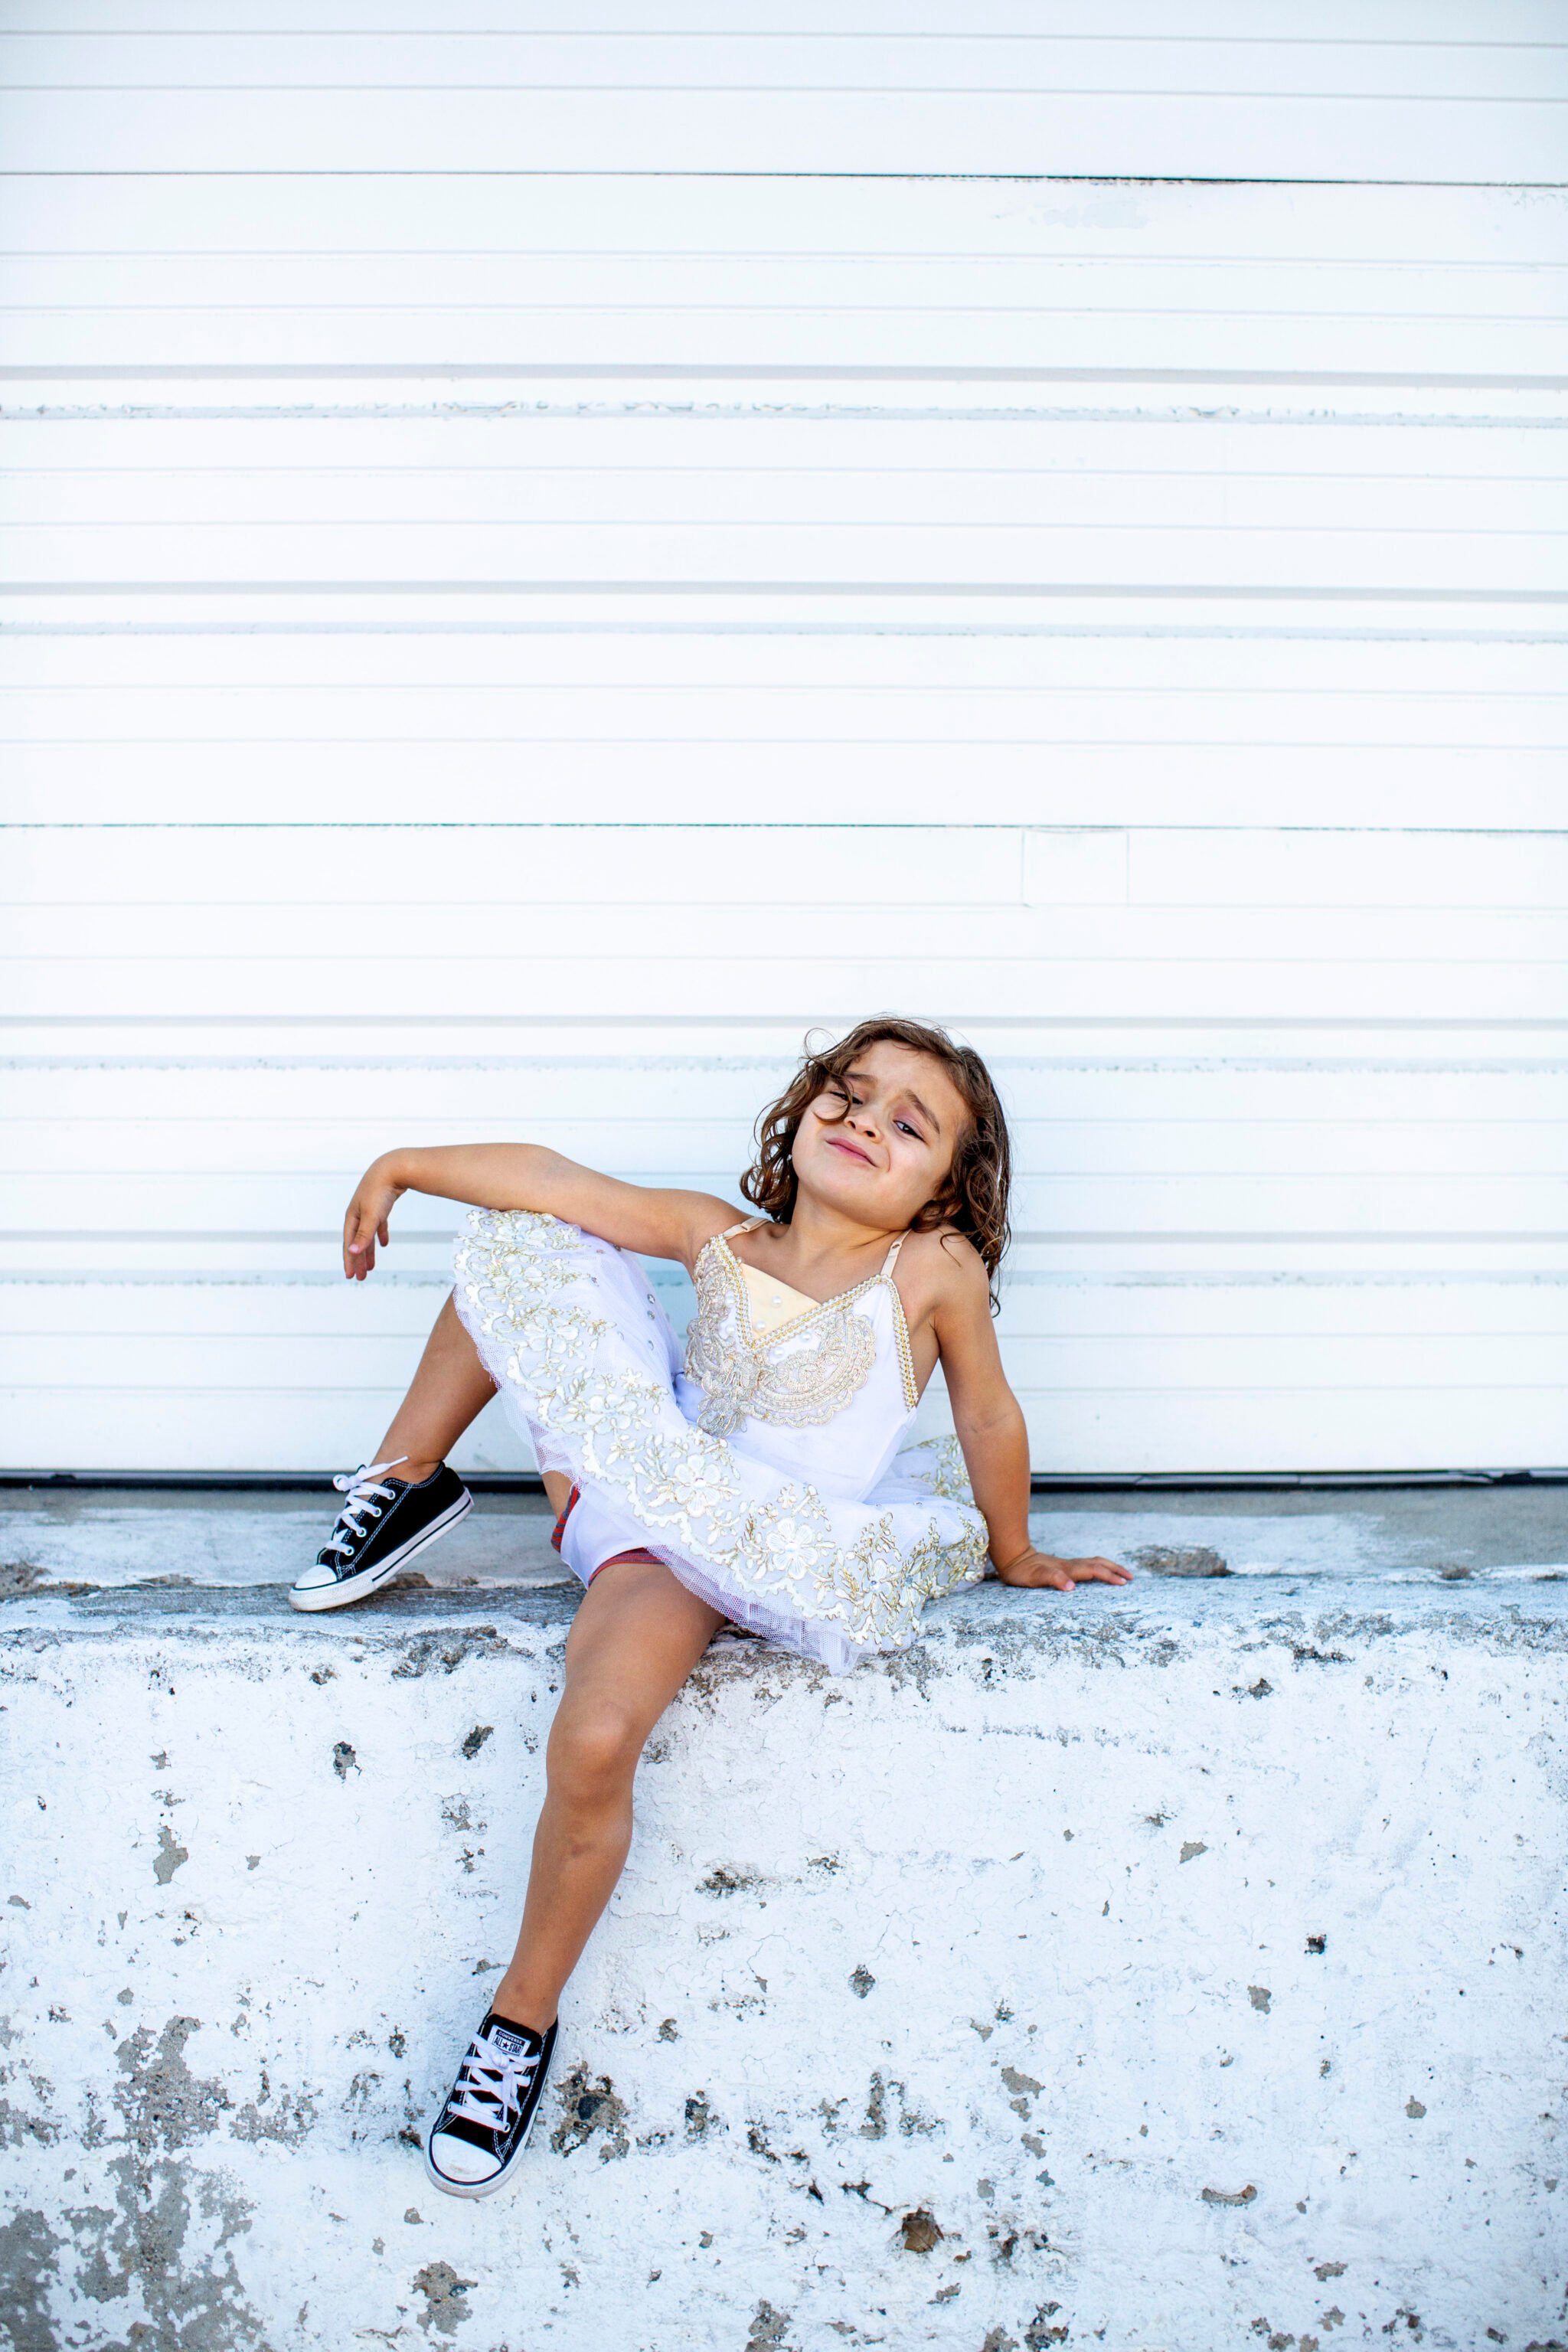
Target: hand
x=1042 y=1568
x=365 y=1223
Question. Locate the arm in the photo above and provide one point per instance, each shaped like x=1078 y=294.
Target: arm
x=656 y=1222
x=990 y=1426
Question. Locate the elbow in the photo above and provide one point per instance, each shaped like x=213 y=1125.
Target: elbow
x=989 y=1422
x=542 y=1166
x=537 y=1177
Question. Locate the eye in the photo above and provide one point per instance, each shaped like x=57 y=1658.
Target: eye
x=904 y=1127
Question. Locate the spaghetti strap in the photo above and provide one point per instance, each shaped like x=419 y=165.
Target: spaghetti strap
x=746 y=1225
x=891 y=1259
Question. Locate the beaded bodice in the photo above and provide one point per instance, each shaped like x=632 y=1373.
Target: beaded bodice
x=798 y=1373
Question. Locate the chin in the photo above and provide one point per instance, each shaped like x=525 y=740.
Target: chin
x=847 y=1183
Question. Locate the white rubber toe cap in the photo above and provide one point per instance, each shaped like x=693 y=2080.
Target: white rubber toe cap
x=460 y=2161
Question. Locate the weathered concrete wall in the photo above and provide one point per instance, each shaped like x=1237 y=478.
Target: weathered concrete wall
x=1175 y=1971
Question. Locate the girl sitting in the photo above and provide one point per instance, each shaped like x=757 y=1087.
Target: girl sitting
x=767 y=1480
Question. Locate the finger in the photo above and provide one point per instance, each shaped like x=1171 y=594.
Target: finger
x=382 y=1236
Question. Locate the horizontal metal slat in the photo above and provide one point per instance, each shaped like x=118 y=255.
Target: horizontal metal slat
x=176 y=1201
x=1266 y=783
x=1280 y=1429
x=1166 y=135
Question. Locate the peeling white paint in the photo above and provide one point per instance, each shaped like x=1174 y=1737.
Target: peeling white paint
x=1013 y=1940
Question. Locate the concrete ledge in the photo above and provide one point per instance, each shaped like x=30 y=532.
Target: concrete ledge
x=1176 y=1970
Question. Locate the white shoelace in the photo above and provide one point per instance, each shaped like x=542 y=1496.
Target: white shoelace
x=491 y=2085
x=360 y=1487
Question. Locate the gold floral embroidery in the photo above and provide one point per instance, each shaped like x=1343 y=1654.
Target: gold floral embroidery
x=744 y=1376
x=525 y=1290
x=944 y=1471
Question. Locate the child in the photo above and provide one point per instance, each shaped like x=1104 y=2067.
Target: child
x=761 y=1483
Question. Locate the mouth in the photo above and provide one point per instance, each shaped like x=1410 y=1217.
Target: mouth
x=850 y=1151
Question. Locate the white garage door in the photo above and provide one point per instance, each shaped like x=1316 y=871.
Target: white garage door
x=540 y=564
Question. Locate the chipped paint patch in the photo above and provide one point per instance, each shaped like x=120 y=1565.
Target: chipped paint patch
x=444 y=2292
x=29 y=2261
x=172 y=1856
x=587 y=2109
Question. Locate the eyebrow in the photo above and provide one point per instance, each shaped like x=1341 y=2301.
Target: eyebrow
x=862 y=1079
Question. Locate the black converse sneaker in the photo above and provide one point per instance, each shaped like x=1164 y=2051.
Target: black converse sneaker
x=473 y=2145
x=380 y=1527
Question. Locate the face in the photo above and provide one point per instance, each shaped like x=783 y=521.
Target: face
x=892 y=1151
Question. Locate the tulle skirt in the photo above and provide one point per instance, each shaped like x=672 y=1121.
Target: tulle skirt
x=588 y=1367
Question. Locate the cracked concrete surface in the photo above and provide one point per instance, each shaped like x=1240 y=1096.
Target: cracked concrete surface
x=1179 y=1970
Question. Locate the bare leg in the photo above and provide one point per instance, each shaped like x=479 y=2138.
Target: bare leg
x=634 y=1641
x=448 y=1391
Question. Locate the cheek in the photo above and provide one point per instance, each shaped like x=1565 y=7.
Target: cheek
x=807 y=1140
x=935 y=1174
x=916 y=1163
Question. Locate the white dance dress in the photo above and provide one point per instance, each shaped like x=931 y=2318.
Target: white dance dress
x=773 y=1470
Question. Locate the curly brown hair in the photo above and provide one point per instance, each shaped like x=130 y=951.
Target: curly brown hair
x=974 y=1197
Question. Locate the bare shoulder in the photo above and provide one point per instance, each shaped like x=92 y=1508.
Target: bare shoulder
x=945 y=1273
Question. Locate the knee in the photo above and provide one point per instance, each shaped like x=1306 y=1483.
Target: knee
x=593 y=1748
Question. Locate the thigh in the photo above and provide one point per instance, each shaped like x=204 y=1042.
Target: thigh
x=636 y=1637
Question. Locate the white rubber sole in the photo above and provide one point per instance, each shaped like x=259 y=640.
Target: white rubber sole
x=505 y=2179
x=358 y=1587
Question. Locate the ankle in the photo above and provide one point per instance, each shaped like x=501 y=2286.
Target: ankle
x=414 y=1472
x=521 y=2005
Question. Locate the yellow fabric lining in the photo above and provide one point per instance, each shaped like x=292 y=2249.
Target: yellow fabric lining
x=772 y=1303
